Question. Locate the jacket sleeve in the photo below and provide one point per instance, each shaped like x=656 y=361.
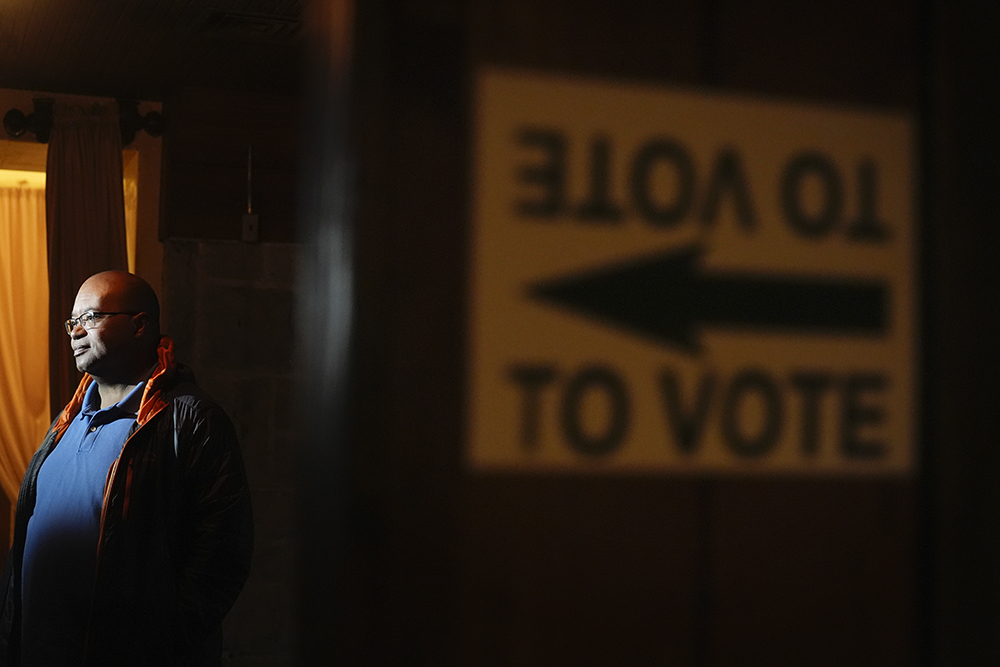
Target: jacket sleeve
x=216 y=531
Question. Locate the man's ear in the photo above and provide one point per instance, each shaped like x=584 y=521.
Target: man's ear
x=141 y=323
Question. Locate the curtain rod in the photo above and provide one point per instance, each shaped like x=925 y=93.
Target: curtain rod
x=39 y=122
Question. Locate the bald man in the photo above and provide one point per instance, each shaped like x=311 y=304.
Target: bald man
x=133 y=529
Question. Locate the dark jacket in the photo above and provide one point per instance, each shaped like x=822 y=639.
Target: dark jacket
x=176 y=531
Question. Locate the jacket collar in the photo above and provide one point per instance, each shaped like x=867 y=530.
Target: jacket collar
x=152 y=395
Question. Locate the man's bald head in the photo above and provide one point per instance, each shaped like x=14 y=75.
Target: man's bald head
x=126 y=292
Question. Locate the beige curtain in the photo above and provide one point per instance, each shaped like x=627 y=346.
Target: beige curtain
x=24 y=353
x=86 y=221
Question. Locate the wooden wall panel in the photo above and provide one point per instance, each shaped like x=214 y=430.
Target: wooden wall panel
x=814 y=572
x=851 y=52
x=508 y=569
x=963 y=460
x=205 y=147
x=821 y=571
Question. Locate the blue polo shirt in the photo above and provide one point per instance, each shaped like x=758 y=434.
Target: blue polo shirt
x=58 y=571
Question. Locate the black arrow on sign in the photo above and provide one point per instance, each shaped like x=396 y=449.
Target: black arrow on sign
x=669 y=297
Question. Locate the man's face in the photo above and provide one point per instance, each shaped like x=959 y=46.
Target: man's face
x=111 y=345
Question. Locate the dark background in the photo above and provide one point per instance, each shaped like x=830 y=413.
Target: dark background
x=436 y=565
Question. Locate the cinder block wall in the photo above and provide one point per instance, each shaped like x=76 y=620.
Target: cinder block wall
x=229 y=308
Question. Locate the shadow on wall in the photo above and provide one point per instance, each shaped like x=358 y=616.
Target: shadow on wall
x=229 y=308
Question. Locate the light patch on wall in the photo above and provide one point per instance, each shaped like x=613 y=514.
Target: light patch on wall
x=130 y=185
x=23 y=155
x=10 y=178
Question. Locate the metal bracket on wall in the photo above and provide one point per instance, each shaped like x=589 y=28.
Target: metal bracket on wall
x=250 y=222
x=39 y=122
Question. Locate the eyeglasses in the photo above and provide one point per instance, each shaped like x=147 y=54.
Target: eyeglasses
x=89 y=319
